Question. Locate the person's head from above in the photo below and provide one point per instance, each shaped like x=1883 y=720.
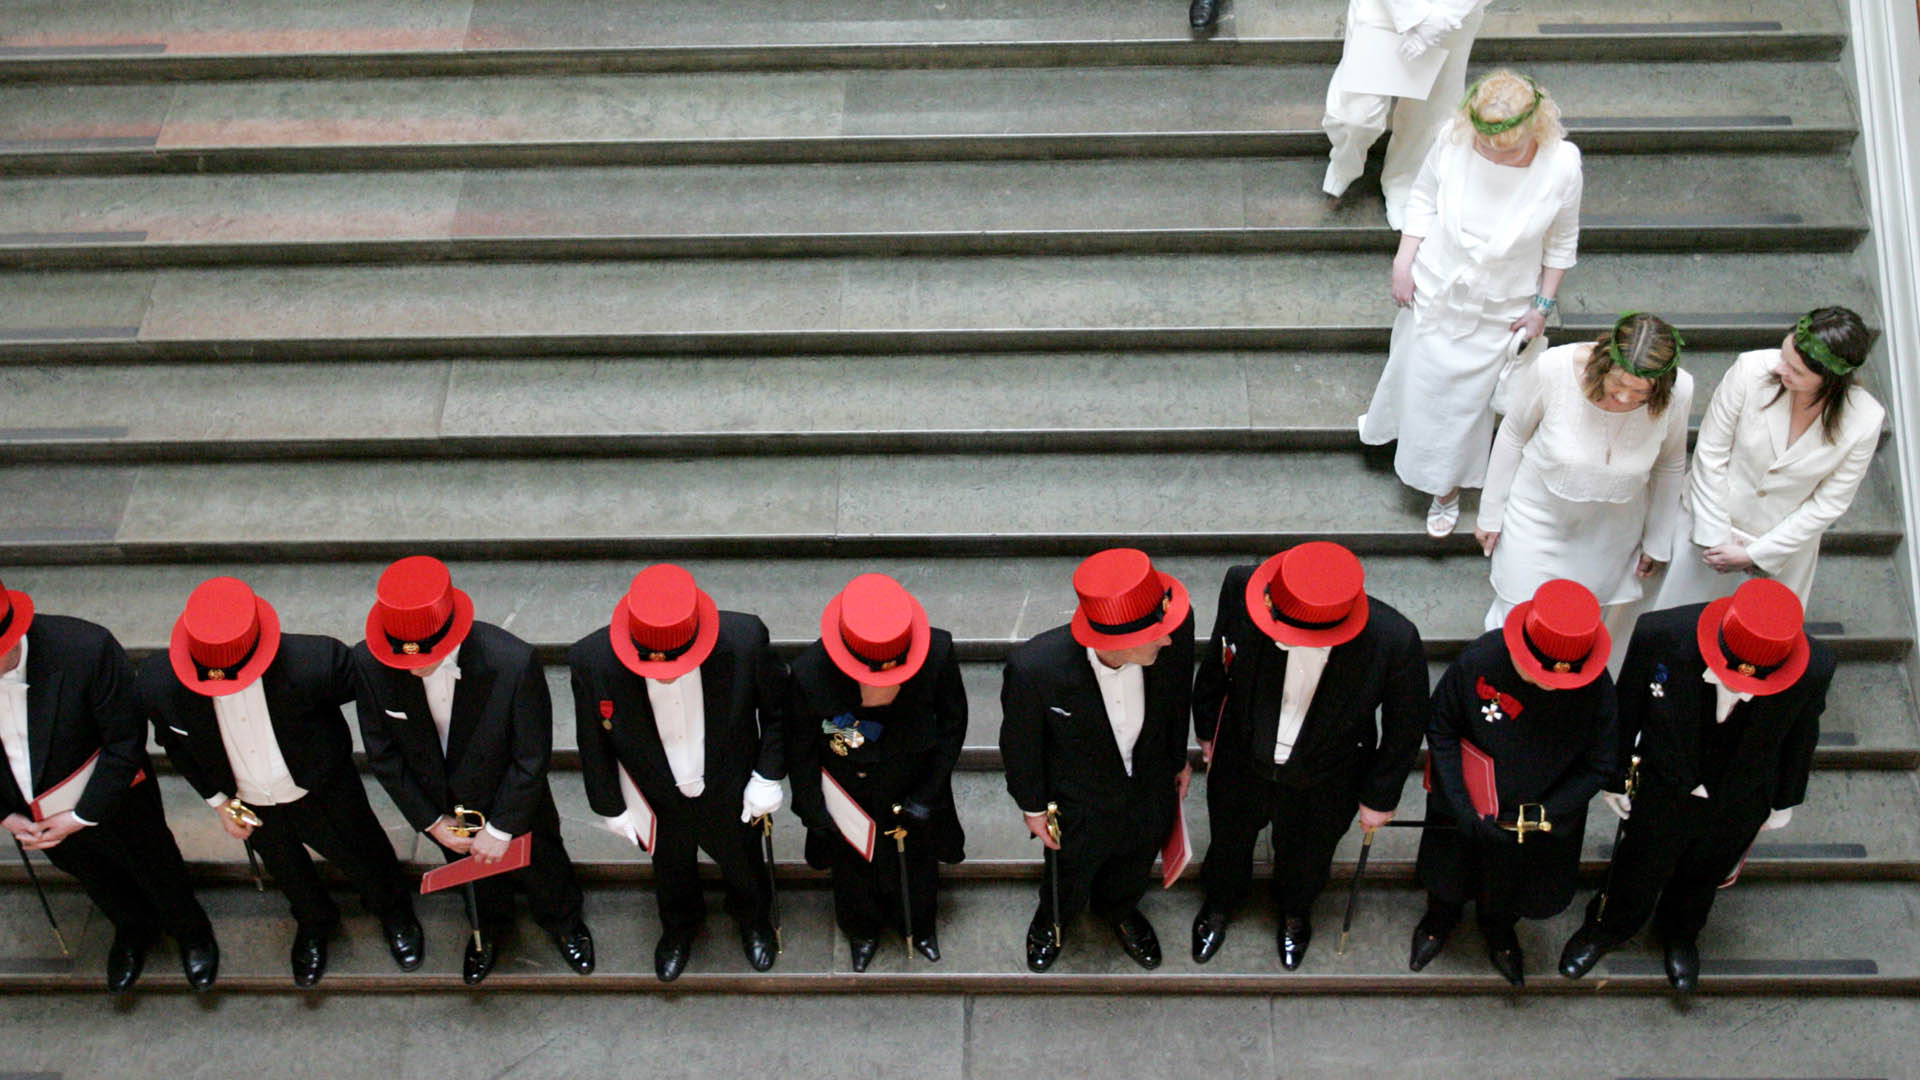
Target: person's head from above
x=1634 y=364
x=1127 y=610
x=1508 y=116
x=1817 y=360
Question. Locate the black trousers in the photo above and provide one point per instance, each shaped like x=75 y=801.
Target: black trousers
x=1307 y=826
x=1670 y=866
x=866 y=895
x=1106 y=866
x=131 y=868
x=553 y=893
x=338 y=823
x=734 y=848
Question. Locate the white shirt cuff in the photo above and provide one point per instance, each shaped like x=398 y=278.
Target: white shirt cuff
x=218 y=801
x=496 y=833
x=81 y=820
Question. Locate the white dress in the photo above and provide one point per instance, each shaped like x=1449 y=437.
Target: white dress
x=1578 y=492
x=1751 y=481
x=1487 y=230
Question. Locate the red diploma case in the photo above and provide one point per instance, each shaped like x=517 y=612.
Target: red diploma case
x=1476 y=768
x=461 y=871
x=1177 y=852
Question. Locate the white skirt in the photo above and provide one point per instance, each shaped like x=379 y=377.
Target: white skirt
x=1435 y=397
x=1544 y=536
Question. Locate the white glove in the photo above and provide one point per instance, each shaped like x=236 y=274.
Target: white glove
x=625 y=826
x=1424 y=35
x=763 y=796
x=1777 y=820
x=1620 y=804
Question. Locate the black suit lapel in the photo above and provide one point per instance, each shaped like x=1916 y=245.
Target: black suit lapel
x=470 y=693
x=1092 y=705
x=642 y=731
x=43 y=705
x=1327 y=710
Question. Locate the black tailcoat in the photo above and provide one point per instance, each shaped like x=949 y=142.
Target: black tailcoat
x=1340 y=759
x=1557 y=752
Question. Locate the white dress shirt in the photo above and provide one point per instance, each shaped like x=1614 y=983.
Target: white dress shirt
x=259 y=769
x=680 y=713
x=1124 y=689
x=439 y=688
x=13 y=724
x=1305 y=664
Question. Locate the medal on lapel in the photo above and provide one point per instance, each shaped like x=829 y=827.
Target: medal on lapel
x=1498 y=706
x=1658 y=687
x=606 y=716
x=846 y=734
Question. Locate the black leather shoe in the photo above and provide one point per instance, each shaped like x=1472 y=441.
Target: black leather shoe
x=1582 y=951
x=863 y=950
x=201 y=963
x=478 y=962
x=576 y=948
x=126 y=958
x=1683 y=965
x=1509 y=962
x=928 y=945
x=1295 y=932
x=1203 y=14
x=1429 y=937
x=404 y=939
x=760 y=945
x=1043 y=946
x=671 y=952
x=1137 y=938
x=309 y=957
x=1209 y=931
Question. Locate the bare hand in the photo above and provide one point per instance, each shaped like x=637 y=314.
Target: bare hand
x=1728 y=557
x=1371 y=819
x=53 y=830
x=486 y=847
x=1487 y=540
x=442 y=834
x=239 y=830
x=1206 y=750
x=1534 y=322
x=1181 y=781
x=1648 y=567
x=22 y=827
x=1037 y=825
x=1402 y=283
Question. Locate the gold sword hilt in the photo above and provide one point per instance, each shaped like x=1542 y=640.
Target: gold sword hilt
x=241 y=814
x=1522 y=824
x=466 y=822
x=899 y=831
x=1633 y=775
x=1053 y=822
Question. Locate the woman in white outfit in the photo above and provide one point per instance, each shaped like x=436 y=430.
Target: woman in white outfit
x=1782 y=450
x=1492 y=224
x=1587 y=471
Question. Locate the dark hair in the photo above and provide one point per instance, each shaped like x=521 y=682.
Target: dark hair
x=1845 y=334
x=1644 y=341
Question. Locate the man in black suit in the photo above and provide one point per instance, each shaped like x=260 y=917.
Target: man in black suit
x=1301 y=660
x=689 y=702
x=455 y=716
x=251 y=718
x=878 y=704
x=75 y=746
x=1716 y=766
x=1094 y=718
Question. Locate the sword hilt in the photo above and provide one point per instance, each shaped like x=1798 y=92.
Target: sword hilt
x=1522 y=824
x=1053 y=822
x=1633 y=776
x=466 y=822
x=241 y=814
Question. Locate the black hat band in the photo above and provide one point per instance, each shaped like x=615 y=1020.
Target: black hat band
x=1135 y=625
x=1301 y=624
x=424 y=645
x=221 y=674
x=1742 y=667
x=1553 y=663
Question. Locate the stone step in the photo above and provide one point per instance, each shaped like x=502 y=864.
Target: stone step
x=907 y=304
x=206 y=40
x=1854 y=825
x=146 y=412
x=989 y=604
x=835 y=115
x=856 y=504
x=982 y=926
x=1132 y=205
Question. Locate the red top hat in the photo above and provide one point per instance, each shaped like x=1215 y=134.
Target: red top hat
x=418 y=617
x=1557 y=638
x=1753 y=640
x=1124 y=601
x=224 y=639
x=875 y=631
x=665 y=626
x=16 y=614
x=1313 y=595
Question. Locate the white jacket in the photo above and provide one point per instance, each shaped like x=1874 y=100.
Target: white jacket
x=1401 y=16
x=1781 y=498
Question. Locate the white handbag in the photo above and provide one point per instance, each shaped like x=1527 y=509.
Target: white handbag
x=1519 y=353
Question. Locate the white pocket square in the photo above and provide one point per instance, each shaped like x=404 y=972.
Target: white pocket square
x=1058 y=711
x=395 y=715
x=176 y=730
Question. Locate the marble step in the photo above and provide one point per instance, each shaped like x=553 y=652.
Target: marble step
x=1133 y=205
x=847 y=115
x=1286 y=300
x=206 y=39
x=989 y=604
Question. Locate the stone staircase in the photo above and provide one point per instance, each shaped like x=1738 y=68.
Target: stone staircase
x=959 y=291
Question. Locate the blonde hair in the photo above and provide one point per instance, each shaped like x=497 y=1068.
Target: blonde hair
x=1502 y=95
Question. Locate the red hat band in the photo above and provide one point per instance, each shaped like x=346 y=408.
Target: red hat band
x=1120 y=593
x=1759 y=630
x=221 y=625
x=663 y=613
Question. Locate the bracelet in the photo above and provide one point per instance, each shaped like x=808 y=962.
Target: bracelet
x=1545 y=303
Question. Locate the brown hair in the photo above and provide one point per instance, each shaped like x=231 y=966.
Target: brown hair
x=1845 y=333
x=1645 y=342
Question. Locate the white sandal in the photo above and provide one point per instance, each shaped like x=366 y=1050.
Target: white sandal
x=1443 y=516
